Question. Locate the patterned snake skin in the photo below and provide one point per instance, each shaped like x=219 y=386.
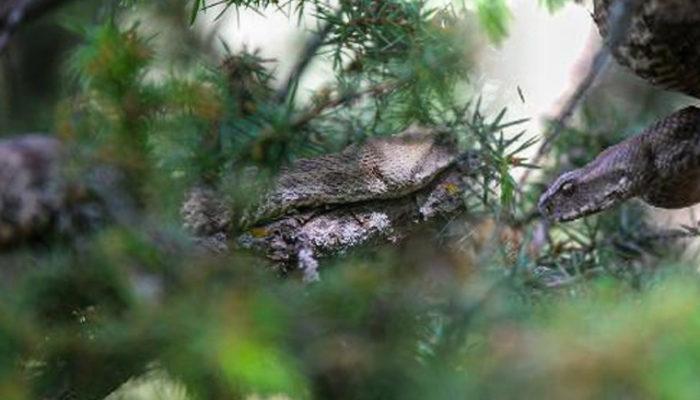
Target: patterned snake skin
x=662 y=44
x=380 y=168
x=659 y=40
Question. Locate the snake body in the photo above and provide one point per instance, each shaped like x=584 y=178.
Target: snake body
x=660 y=42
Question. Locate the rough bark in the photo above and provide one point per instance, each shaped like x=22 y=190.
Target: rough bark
x=297 y=240
x=36 y=201
x=31 y=191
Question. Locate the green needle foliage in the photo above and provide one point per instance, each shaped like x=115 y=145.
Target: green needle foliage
x=492 y=303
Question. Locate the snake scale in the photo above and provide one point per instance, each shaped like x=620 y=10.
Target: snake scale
x=662 y=164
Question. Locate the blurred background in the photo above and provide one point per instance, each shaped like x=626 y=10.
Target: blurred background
x=491 y=303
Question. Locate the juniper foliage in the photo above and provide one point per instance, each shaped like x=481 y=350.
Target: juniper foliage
x=494 y=303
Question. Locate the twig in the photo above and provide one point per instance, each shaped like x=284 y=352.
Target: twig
x=600 y=61
x=572 y=280
x=310 y=49
x=662 y=236
x=345 y=98
x=619 y=21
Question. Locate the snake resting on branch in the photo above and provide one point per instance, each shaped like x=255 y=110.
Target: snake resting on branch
x=378 y=189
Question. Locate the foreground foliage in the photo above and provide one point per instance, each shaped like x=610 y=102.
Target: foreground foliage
x=493 y=304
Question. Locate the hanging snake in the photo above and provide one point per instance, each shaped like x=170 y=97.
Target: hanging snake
x=662 y=164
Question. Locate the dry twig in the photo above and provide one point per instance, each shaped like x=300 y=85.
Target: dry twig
x=620 y=18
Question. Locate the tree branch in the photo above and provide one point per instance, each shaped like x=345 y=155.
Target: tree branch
x=291 y=239
x=14 y=13
x=310 y=49
x=343 y=99
x=619 y=21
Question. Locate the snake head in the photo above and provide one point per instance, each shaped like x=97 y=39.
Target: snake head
x=615 y=176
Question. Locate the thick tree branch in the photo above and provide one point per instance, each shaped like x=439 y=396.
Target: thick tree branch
x=297 y=239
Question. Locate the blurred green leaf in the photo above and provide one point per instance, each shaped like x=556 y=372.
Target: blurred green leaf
x=553 y=5
x=494 y=16
x=196 y=6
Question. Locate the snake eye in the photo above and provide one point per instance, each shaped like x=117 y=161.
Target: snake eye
x=568 y=189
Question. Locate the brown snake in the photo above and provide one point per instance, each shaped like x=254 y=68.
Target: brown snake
x=662 y=164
